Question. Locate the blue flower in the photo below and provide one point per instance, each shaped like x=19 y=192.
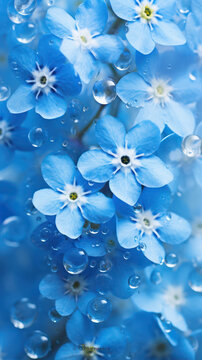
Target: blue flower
x=47 y=80
x=125 y=159
x=12 y=135
x=70 y=198
x=88 y=343
x=83 y=43
x=150 y=222
x=161 y=100
x=150 y=23
x=171 y=297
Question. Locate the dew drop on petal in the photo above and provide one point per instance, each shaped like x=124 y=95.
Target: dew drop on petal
x=105 y=265
x=104 y=91
x=171 y=260
x=75 y=261
x=192 y=146
x=134 y=281
x=36 y=137
x=37 y=345
x=99 y=309
x=54 y=316
x=195 y=279
x=25 y=32
x=23 y=313
x=124 y=61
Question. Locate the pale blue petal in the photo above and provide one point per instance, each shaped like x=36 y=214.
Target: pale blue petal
x=139 y=36
x=21 y=100
x=167 y=33
x=174 y=229
x=98 y=208
x=92 y=15
x=70 y=222
x=179 y=118
x=58 y=170
x=149 y=300
x=69 y=352
x=47 y=201
x=125 y=187
x=133 y=90
x=52 y=287
x=111 y=340
x=70 y=49
x=127 y=233
x=172 y=315
x=86 y=65
x=80 y=329
x=186 y=90
x=144 y=138
x=198 y=171
x=25 y=58
x=156 y=200
x=65 y=305
x=110 y=133
x=107 y=48
x=126 y=11
x=68 y=83
x=153 y=173
x=96 y=165
x=59 y=22
x=153 y=250
x=153 y=112
x=51 y=106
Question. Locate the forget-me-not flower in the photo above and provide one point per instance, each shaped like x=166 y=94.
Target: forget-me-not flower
x=70 y=198
x=125 y=159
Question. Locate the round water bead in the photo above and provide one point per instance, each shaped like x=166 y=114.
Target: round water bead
x=134 y=281
x=36 y=137
x=124 y=61
x=37 y=345
x=25 y=7
x=195 y=279
x=13 y=15
x=13 y=231
x=23 y=313
x=25 y=32
x=75 y=261
x=171 y=260
x=54 y=315
x=104 y=91
x=192 y=146
x=156 y=277
x=99 y=309
x=4 y=92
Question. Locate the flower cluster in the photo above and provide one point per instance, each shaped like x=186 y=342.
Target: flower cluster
x=101 y=179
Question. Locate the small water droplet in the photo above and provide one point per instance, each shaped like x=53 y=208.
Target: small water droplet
x=29 y=207
x=37 y=345
x=105 y=265
x=104 y=91
x=4 y=92
x=192 y=146
x=156 y=277
x=134 y=281
x=195 y=279
x=13 y=231
x=124 y=61
x=23 y=313
x=137 y=208
x=54 y=315
x=75 y=261
x=99 y=309
x=126 y=255
x=36 y=137
x=171 y=260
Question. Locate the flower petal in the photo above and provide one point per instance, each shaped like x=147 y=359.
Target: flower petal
x=153 y=250
x=125 y=187
x=51 y=106
x=153 y=112
x=126 y=233
x=126 y=11
x=92 y=15
x=69 y=352
x=139 y=36
x=59 y=22
x=79 y=329
x=179 y=118
x=21 y=100
x=107 y=48
x=65 y=305
x=110 y=133
x=52 y=287
x=152 y=172
x=47 y=201
x=132 y=90
x=167 y=33
x=70 y=222
x=98 y=209
x=156 y=200
x=174 y=229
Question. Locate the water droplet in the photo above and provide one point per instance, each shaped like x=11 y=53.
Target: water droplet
x=13 y=15
x=75 y=110
x=36 y=137
x=94 y=228
x=29 y=207
x=134 y=281
x=75 y=261
x=13 y=231
x=171 y=260
x=167 y=325
x=25 y=32
x=50 y=2
x=192 y=146
x=126 y=255
x=54 y=315
x=4 y=92
x=25 y=7
x=23 y=313
x=194 y=342
x=168 y=216
x=195 y=279
x=45 y=234
x=99 y=309
x=156 y=277
x=137 y=209
x=105 y=265
x=93 y=263
x=37 y=345
x=104 y=91
x=141 y=247
x=124 y=61
x=54 y=268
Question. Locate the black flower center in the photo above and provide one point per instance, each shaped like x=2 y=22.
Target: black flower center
x=1 y=131
x=76 y=285
x=88 y=351
x=73 y=196
x=161 y=347
x=43 y=80
x=125 y=159
x=146 y=222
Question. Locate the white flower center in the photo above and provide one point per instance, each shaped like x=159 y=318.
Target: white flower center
x=43 y=80
x=75 y=285
x=147 y=12
x=83 y=37
x=125 y=159
x=146 y=222
x=174 y=296
x=5 y=133
x=73 y=196
x=159 y=91
x=90 y=351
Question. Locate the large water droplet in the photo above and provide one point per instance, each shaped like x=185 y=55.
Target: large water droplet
x=195 y=279
x=4 y=92
x=36 y=137
x=192 y=146
x=104 y=91
x=23 y=313
x=54 y=315
x=13 y=231
x=25 y=7
x=124 y=61
x=99 y=309
x=25 y=32
x=105 y=265
x=13 y=15
x=75 y=261
x=134 y=281
x=37 y=345
x=171 y=260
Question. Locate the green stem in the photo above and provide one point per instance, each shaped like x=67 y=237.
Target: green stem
x=85 y=129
